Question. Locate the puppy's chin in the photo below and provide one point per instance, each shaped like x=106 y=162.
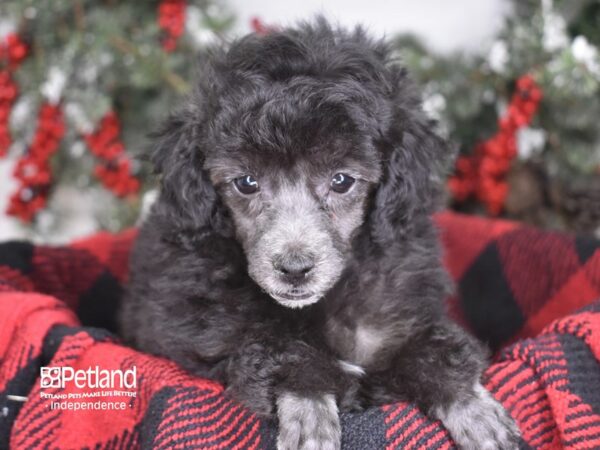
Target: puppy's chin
x=295 y=300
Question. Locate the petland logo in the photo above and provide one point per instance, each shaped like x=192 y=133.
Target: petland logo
x=92 y=378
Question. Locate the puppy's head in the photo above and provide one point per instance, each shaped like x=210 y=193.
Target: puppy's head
x=293 y=143
x=295 y=207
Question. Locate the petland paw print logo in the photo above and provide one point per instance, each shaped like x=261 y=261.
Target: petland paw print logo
x=51 y=378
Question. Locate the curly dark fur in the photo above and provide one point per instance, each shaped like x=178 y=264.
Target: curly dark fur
x=297 y=104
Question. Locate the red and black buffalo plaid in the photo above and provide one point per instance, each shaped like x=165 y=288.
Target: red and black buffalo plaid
x=531 y=295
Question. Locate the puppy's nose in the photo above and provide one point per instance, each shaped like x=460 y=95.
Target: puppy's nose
x=294 y=268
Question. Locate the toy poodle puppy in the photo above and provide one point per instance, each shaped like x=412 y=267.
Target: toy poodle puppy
x=291 y=253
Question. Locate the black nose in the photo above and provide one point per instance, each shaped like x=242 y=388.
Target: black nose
x=294 y=268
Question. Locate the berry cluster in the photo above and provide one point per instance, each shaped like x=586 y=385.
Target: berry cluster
x=12 y=52
x=32 y=171
x=171 y=19
x=114 y=168
x=483 y=175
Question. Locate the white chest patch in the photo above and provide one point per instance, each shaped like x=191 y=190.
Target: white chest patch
x=353 y=369
x=367 y=341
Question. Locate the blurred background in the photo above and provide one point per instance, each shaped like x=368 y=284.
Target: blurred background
x=514 y=84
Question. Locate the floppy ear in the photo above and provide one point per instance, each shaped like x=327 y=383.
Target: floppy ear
x=187 y=201
x=415 y=163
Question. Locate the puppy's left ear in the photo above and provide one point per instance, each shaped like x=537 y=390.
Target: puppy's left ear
x=188 y=202
x=415 y=159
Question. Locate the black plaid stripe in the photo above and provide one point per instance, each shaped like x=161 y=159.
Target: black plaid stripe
x=99 y=304
x=17 y=255
x=487 y=301
x=584 y=371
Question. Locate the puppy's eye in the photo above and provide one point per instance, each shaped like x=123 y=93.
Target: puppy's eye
x=246 y=185
x=341 y=183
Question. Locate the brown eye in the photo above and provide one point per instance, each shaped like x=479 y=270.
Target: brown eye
x=246 y=185
x=341 y=183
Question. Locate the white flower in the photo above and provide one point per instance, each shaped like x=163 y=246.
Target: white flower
x=434 y=105
x=555 y=28
x=22 y=111
x=53 y=87
x=77 y=149
x=194 y=27
x=586 y=54
x=7 y=26
x=530 y=141
x=498 y=57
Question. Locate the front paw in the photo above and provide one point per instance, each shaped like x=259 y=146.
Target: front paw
x=308 y=423
x=480 y=423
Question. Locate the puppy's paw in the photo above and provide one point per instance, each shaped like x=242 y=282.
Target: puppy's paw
x=308 y=423
x=480 y=423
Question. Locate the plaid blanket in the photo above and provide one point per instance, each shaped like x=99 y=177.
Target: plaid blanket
x=529 y=294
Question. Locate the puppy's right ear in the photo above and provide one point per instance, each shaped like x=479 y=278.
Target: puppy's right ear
x=188 y=201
